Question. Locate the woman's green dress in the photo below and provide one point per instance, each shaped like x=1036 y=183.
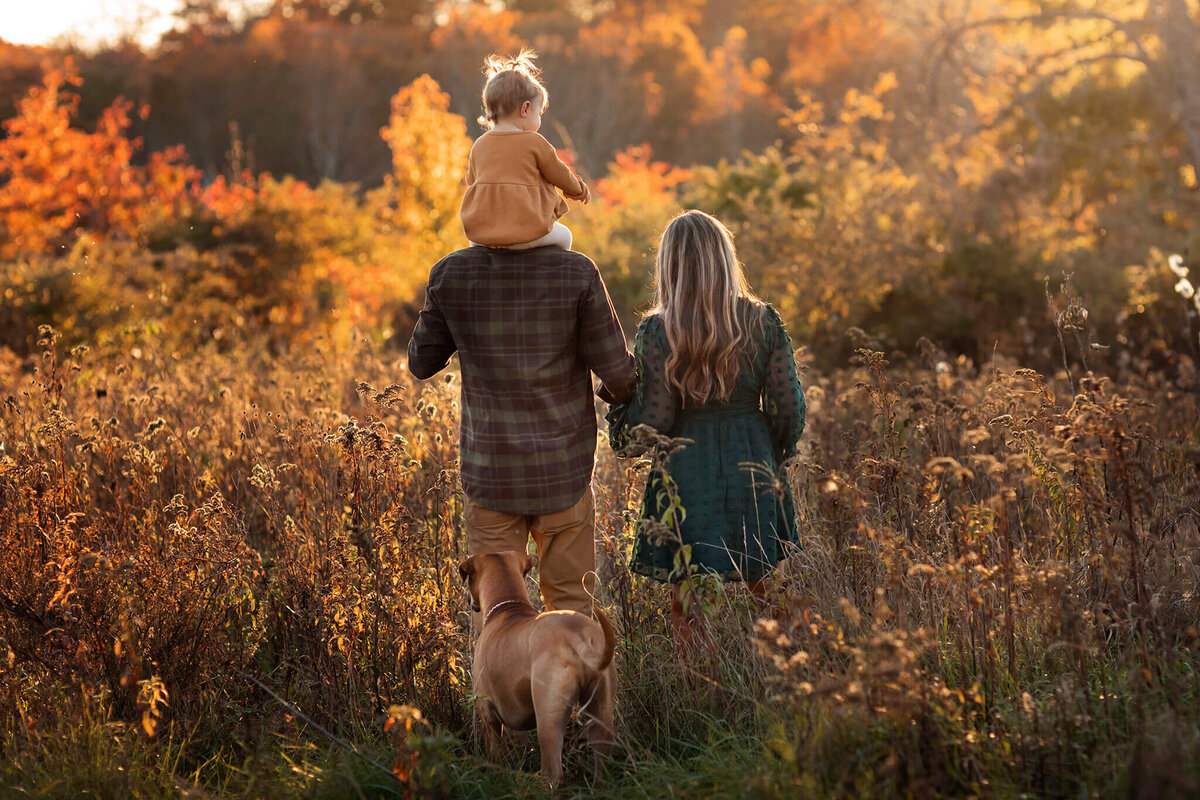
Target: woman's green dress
x=738 y=507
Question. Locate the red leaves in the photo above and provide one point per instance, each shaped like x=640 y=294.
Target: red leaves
x=58 y=182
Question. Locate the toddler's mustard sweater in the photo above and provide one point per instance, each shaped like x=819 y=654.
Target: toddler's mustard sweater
x=510 y=197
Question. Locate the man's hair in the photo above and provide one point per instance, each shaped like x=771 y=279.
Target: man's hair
x=511 y=81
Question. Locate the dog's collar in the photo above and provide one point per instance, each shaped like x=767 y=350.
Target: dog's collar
x=492 y=610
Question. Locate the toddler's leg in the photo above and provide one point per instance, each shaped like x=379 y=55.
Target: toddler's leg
x=559 y=236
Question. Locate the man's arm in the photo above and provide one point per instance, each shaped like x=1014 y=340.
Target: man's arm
x=602 y=344
x=431 y=345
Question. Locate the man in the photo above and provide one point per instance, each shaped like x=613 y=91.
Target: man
x=529 y=326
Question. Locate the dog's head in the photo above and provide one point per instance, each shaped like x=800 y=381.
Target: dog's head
x=474 y=570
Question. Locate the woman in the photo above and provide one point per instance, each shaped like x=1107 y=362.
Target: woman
x=716 y=367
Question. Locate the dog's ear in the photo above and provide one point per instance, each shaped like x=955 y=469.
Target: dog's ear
x=530 y=563
x=466 y=569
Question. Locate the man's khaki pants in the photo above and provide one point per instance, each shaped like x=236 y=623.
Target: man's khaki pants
x=565 y=543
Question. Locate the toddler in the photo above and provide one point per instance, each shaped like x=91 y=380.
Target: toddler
x=513 y=171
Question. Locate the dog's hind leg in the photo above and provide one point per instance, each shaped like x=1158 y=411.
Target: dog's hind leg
x=553 y=699
x=489 y=721
x=599 y=716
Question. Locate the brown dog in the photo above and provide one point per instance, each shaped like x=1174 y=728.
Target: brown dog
x=532 y=670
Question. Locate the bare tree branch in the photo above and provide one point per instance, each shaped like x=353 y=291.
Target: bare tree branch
x=1049 y=17
x=1022 y=100
x=1131 y=36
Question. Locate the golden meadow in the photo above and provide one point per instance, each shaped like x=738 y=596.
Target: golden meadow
x=230 y=521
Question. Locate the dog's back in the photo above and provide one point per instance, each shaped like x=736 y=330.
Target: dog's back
x=596 y=659
x=574 y=637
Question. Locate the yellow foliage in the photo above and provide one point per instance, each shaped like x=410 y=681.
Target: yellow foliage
x=429 y=147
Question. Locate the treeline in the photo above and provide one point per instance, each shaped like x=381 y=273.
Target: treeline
x=303 y=88
x=905 y=170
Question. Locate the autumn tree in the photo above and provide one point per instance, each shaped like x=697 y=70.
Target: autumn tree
x=1062 y=43
x=828 y=227
x=328 y=65
x=429 y=147
x=20 y=68
x=57 y=181
x=459 y=46
x=839 y=44
x=1071 y=130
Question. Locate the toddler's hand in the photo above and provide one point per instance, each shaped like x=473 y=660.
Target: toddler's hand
x=587 y=194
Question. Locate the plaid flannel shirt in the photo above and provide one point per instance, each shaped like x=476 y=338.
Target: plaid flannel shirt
x=528 y=326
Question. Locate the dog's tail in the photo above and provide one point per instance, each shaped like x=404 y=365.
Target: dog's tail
x=610 y=640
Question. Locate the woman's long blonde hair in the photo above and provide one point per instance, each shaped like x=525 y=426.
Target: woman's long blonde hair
x=699 y=285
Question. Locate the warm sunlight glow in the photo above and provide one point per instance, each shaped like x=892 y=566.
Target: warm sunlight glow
x=87 y=23
x=261 y=401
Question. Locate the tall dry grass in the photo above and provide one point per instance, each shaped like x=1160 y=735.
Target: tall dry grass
x=230 y=572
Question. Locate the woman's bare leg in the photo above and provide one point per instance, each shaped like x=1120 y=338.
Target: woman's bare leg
x=759 y=590
x=681 y=623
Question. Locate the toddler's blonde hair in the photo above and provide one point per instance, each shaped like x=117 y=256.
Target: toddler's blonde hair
x=511 y=81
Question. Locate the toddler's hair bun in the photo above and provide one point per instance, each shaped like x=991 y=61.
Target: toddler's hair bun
x=523 y=61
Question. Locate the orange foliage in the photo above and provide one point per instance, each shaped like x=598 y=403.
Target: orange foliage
x=630 y=206
x=633 y=177
x=281 y=254
x=663 y=59
x=566 y=155
x=738 y=82
x=831 y=39
x=315 y=258
x=57 y=182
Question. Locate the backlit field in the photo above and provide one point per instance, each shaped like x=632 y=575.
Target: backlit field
x=230 y=520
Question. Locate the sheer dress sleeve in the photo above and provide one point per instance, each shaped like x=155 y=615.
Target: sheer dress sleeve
x=653 y=404
x=783 y=397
